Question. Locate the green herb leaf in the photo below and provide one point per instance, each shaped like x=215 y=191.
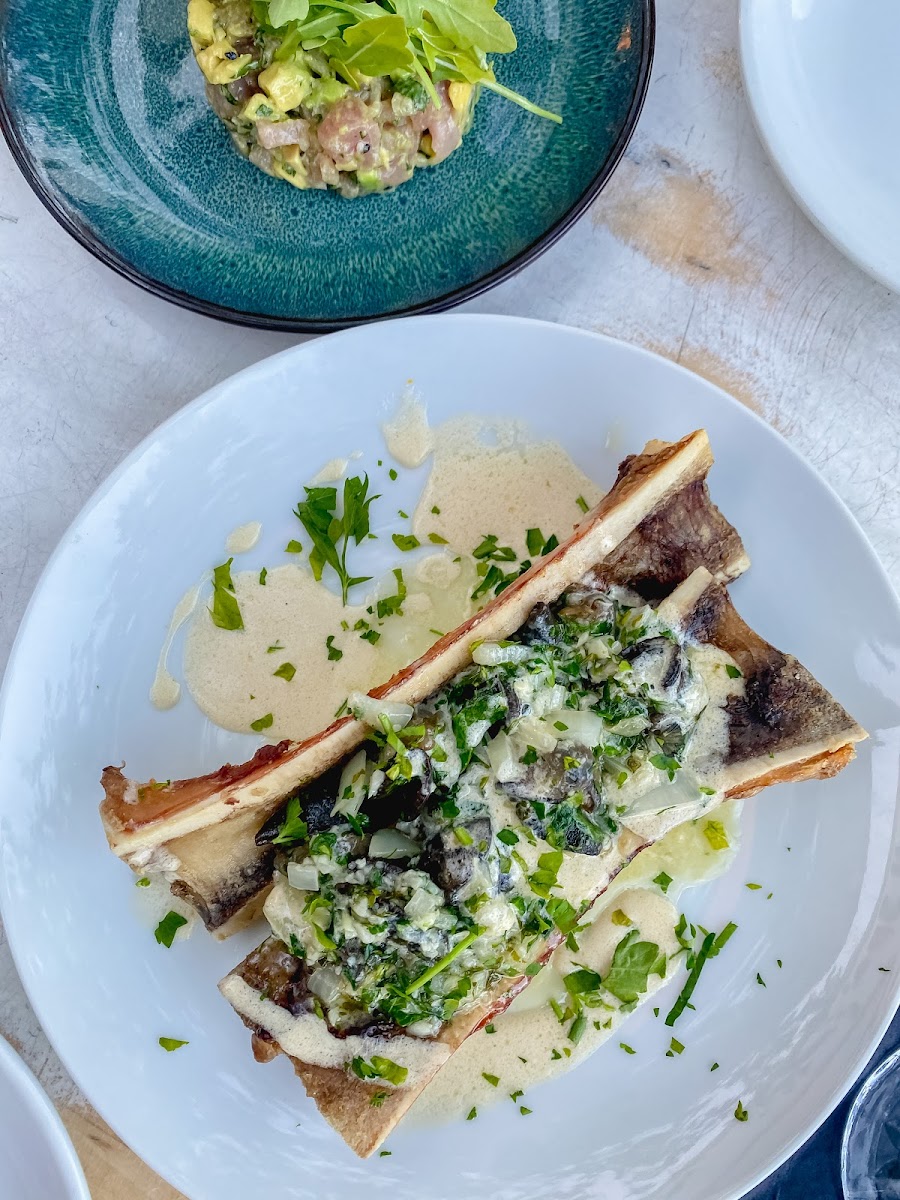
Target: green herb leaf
x=582 y=503
x=662 y=881
x=733 y=672
x=716 y=835
x=633 y=963
x=741 y=1113
x=262 y=723
x=507 y=837
x=286 y=671
x=577 y=1028
x=534 y=969
x=168 y=927
x=262 y=577
x=534 y=542
x=628 y=1049
x=293 y=828
x=473 y=1113
x=675 y=1047
x=334 y=655
x=470 y=24
x=171 y=1044
x=142 y=882
x=620 y=918
x=404 y=541
x=493 y=1080
x=293 y=547
x=581 y=981
x=379 y=1068
x=283 y=11
x=225 y=611
x=437 y=540
x=545 y=877
x=378 y=1099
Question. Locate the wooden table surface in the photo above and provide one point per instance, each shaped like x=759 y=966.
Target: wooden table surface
x=695 y=250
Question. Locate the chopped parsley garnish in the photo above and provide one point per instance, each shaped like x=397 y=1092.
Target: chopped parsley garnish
x=293 y=828
x=435 y=510
x=272 y=649
x=225 y=611
x=733 y=672
x=760 y=980
x=664 y=762
x=516 y=1095
x=526 y=1112
x=633 y=963
x=628 y=1049
x=142 y=882
x=392 y=473
x=405 y=541
x=753 y=887
x=262 y=723
x=490 y=1027
x=378 y=1099
x=493 y=1080
x=262 y=576
x=389 y=606
x=675 y=1047
x=293 y=547
x=530 y=756
x=716 y=835
x=741 y=1113
x=489 y=550
x=385 y=1153
x=714 y=1067
x=437 y=540
x=545 y=877
x=662 y=881
x=286 y=671
x=171 y=1044
x=331 y=534
x=371 y=636
x=582 y=503
x=473 y=1113
x=533 y=969
x=168 y=927
x=778 y=961
x=507 y=836
x=379 y=1068
x=887 y=970
x=334 y=655
x=620 y=918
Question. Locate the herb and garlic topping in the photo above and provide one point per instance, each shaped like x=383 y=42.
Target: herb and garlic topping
x=430 y=866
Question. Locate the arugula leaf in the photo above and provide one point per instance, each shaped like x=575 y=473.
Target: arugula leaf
x=471 y=24
x=225 y=611
x=168 y=927
x=282 y=11
x=632 y=965
x=376 y=46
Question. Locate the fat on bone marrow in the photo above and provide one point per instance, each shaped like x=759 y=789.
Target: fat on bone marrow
x=655 y=526
x=766 y=720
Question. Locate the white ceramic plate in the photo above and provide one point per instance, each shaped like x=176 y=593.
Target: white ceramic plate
x=37 y=1159
x=822 y=80
x=207 y=1117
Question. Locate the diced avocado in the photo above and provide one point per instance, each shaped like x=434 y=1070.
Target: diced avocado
x=287 y=83
x=288 y=164
x=220 y=63
x=261 y=108
x=201 y=22
x=460 y=95
x=369 y=181
x=325 y=93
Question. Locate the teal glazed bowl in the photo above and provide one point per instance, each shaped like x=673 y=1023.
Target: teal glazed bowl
x=102 y=105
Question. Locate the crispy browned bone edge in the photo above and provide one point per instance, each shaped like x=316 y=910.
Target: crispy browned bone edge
x=786 y=728
x=208 y=823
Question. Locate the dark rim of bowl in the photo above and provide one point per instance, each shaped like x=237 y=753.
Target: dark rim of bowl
x=81 y=232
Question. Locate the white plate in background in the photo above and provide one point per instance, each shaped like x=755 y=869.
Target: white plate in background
x=823 y=82
x=37 y=1158
x=641 y=1127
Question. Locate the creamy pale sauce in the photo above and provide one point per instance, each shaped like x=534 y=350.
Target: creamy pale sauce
x=333 y=470
x=306 y=1037
x=244 y=538
x=165 y=689
x=529 y=1029
x=407 y=435
x=486 y=477
x=491 y=477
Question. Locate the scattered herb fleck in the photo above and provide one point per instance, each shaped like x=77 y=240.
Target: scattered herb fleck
x=168 y=927
x=262 y=723
x=741 y=1113
x=286 y=671
x=171 y=1043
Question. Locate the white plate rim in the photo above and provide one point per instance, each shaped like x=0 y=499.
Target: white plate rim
x=199 y=403
x=768 y=129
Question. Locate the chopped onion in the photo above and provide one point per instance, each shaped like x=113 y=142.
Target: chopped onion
x=424 y=1029
x=529 y=731
x=321 y=917
x=548 y=699
x=504 y=762
x=370 y=710
x=420 y=904
x=680 y=792
x=325 y=983
x=490 y=654
x=303 y=876
x=629 y=726
x=352 y=787
x=391 y=843
x=581 y=726
x=475 y=732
